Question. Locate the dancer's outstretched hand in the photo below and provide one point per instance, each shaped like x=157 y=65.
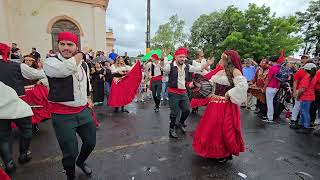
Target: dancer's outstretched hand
x=227 y=96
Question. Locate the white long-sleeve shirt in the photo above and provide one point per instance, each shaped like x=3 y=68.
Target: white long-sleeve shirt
x=115 y=69
x=238 y=94
x=201 y=63
x=157 y=68
x=181 y=72
x=55 y=68
x=31 y=73
x=11 y=106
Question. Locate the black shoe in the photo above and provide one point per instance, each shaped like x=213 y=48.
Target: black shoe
x=312 y=124
x=316 y=132
x=116 y=110
x=10 y=168
x=124 y=111
x=173 y=134
x=303 y=131
x=295 y=126
x=222 y=160
x=264 y=117
x=25 y=157
x=85 y=169
x=182 y=127
x=156 y=110
x=71 y=177
x=35 y=129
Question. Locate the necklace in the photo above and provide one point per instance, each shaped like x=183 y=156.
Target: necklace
x=78 y=78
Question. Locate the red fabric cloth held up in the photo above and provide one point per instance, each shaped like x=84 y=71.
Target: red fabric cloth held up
x=38 y=95
x=123 y=91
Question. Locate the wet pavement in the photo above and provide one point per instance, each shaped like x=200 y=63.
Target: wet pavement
x=136 y=146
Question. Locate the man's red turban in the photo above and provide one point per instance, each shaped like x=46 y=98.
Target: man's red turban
x=68 y=36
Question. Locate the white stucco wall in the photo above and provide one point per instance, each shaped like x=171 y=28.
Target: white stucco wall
x=28 y=23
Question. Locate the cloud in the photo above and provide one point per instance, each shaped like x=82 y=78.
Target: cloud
x=128 y=18
x=129 y=27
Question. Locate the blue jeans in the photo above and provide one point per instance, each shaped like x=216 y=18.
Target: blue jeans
x=164 y=93
x=305 y=113
x=107 y=88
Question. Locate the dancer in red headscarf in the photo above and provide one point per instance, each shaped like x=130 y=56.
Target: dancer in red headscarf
x=71 y=104
x=218 y=134
x=178 y=72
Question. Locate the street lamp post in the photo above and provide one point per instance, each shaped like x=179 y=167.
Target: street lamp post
x=148 y=27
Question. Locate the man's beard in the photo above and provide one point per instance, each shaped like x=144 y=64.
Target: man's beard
x=72 y=54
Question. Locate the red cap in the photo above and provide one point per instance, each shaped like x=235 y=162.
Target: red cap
x=181 y=51
x=68 y=36
x=155 y=57
x=4 y=51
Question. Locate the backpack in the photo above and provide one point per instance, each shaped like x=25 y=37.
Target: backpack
x=284 y=73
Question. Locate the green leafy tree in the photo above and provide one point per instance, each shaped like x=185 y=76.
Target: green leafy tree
x=169 y=35
x=310 y=21
x=254 y=33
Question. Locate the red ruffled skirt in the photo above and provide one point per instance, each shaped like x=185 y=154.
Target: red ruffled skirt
x=124 y=90
x=38 y=95
x=218 y=134
x=198 y=102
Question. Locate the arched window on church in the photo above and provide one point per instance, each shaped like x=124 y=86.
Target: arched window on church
x=60 y=26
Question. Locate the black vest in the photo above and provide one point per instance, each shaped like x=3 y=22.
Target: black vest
x=173 y=76
x=10 y=75
x=62 y=90
x=152 y=70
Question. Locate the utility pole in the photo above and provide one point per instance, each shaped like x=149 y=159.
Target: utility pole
x=148 y=27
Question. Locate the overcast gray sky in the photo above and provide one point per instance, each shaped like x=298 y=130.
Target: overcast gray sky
x=127 y=18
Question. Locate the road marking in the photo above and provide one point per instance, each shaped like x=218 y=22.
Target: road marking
x=104 y=150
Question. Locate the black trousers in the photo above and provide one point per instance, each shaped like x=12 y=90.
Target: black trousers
x=178 y=102
x=156 y=87
x=314 y=107
x=66 y=128
x=25 y=127
x=263 y=108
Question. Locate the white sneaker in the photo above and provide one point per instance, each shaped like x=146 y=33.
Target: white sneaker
x=161 y=99
x=267 y=120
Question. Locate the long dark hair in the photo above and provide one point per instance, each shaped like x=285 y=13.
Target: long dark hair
x=228 y=68
x=311 y=73
x=34 y=63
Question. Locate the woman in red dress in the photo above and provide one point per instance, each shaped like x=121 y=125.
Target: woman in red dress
x=36 y=95
x=125 y=83
x=218 y=134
